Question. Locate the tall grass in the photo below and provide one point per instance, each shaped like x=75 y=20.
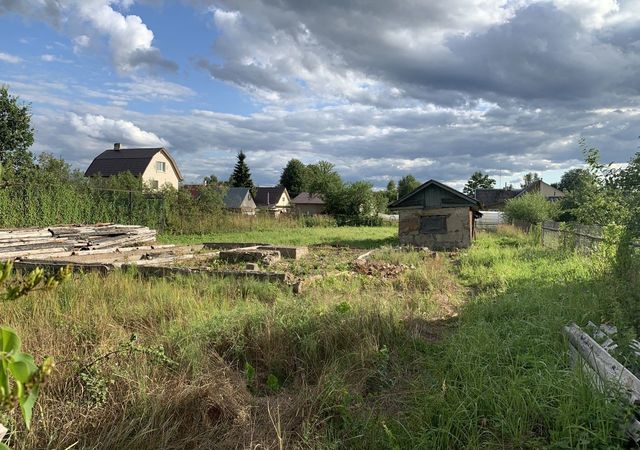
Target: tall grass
x=452 y=353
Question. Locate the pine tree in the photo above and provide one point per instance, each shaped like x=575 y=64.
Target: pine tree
x=294 y=177
x=241 y=176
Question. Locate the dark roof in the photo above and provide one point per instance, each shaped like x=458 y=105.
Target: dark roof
x=305 y=198
x=236 y=196
x=267 y=196
x=491 y=197
x=134 y=160
x=398 y=203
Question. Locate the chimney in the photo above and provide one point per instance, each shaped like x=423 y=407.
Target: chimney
x=116 y=146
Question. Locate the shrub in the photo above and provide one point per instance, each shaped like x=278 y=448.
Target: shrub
x=531 y=208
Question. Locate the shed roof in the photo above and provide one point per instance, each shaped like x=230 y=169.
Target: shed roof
x=238 y=197
x=267 y=196
x=305 y=198
x=402 y=202
x=134 y=160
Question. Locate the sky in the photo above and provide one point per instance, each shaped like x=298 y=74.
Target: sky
x=435 y=88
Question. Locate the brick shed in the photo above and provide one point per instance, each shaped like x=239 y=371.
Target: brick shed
x=436 y=216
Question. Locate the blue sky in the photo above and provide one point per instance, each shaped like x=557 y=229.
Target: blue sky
x=438 y=89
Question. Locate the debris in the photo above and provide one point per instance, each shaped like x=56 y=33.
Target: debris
x=378 y=268
x=252 y=266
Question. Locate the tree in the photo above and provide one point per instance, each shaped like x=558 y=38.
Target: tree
x=294 y=177
x=322 y=178
x=407 y=184
x=211 y=180
x=241 y=176
x=530 y=178
x=352 y=204
x=478 y=180
x=16 y=134
x=574 y=179
x=392 y=191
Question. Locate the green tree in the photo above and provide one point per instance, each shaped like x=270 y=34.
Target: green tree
x=323 y=179
x=294 y=177
x=16 y=135
x=352 y=204
x=241 y=176
x=478 y=180
x=574 y=179
x=530 y=178
x=211 y=180
x=392 y=191
x=407 y=184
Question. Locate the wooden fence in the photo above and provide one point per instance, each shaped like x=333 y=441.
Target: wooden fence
x=573 y=235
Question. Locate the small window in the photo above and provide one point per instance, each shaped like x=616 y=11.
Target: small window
x=433 y=224
x=160 y=166
x=153 y=184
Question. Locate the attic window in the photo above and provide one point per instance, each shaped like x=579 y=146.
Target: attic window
x=161 y=166
x=433 y=224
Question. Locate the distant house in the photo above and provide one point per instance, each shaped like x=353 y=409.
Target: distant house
x=273 y=199
x=239 y=199
x=154 y=166
x=307 y=204
x=436 y=216
x=495 y=199
x=546 y=190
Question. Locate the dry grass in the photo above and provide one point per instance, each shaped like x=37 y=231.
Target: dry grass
x=256 y=366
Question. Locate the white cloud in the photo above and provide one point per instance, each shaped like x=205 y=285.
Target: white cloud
x=114 y=130
x=129 y=39
x=11 y=59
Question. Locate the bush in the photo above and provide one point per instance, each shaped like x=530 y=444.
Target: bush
x=531 y=208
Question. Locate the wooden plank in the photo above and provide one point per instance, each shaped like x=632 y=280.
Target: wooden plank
x=607 y=367
x=26 y=253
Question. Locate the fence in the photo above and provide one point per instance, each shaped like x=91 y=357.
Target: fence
x=490 y=220
x=571 y=235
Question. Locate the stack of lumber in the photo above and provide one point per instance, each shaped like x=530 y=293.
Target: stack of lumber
x=23 y=242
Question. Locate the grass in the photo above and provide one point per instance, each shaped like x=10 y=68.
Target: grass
x=451 y=353
x=361 y=237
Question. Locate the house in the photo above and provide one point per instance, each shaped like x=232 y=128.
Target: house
x=154 y=166
x=437 y=216
x=273 y=199
x=239 y=199
x=307 y=204
x=494 y=199
x=546 y=190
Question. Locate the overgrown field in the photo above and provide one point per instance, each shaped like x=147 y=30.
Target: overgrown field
x=447 y=351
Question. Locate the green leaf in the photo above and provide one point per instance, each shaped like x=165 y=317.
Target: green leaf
x=4 y=447
x=22 y=367
x=26 y=404
x=9 y=340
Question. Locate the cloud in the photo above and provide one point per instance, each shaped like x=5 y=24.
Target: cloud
x=114 y=130
x=128 y=38
x=11 y=59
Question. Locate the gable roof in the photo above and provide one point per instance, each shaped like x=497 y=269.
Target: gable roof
x=238 y=197
x=544 y=189
x=305 y=198
x=470 y=201
x=134 y=160
x=267 y=196
x=491 y=197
